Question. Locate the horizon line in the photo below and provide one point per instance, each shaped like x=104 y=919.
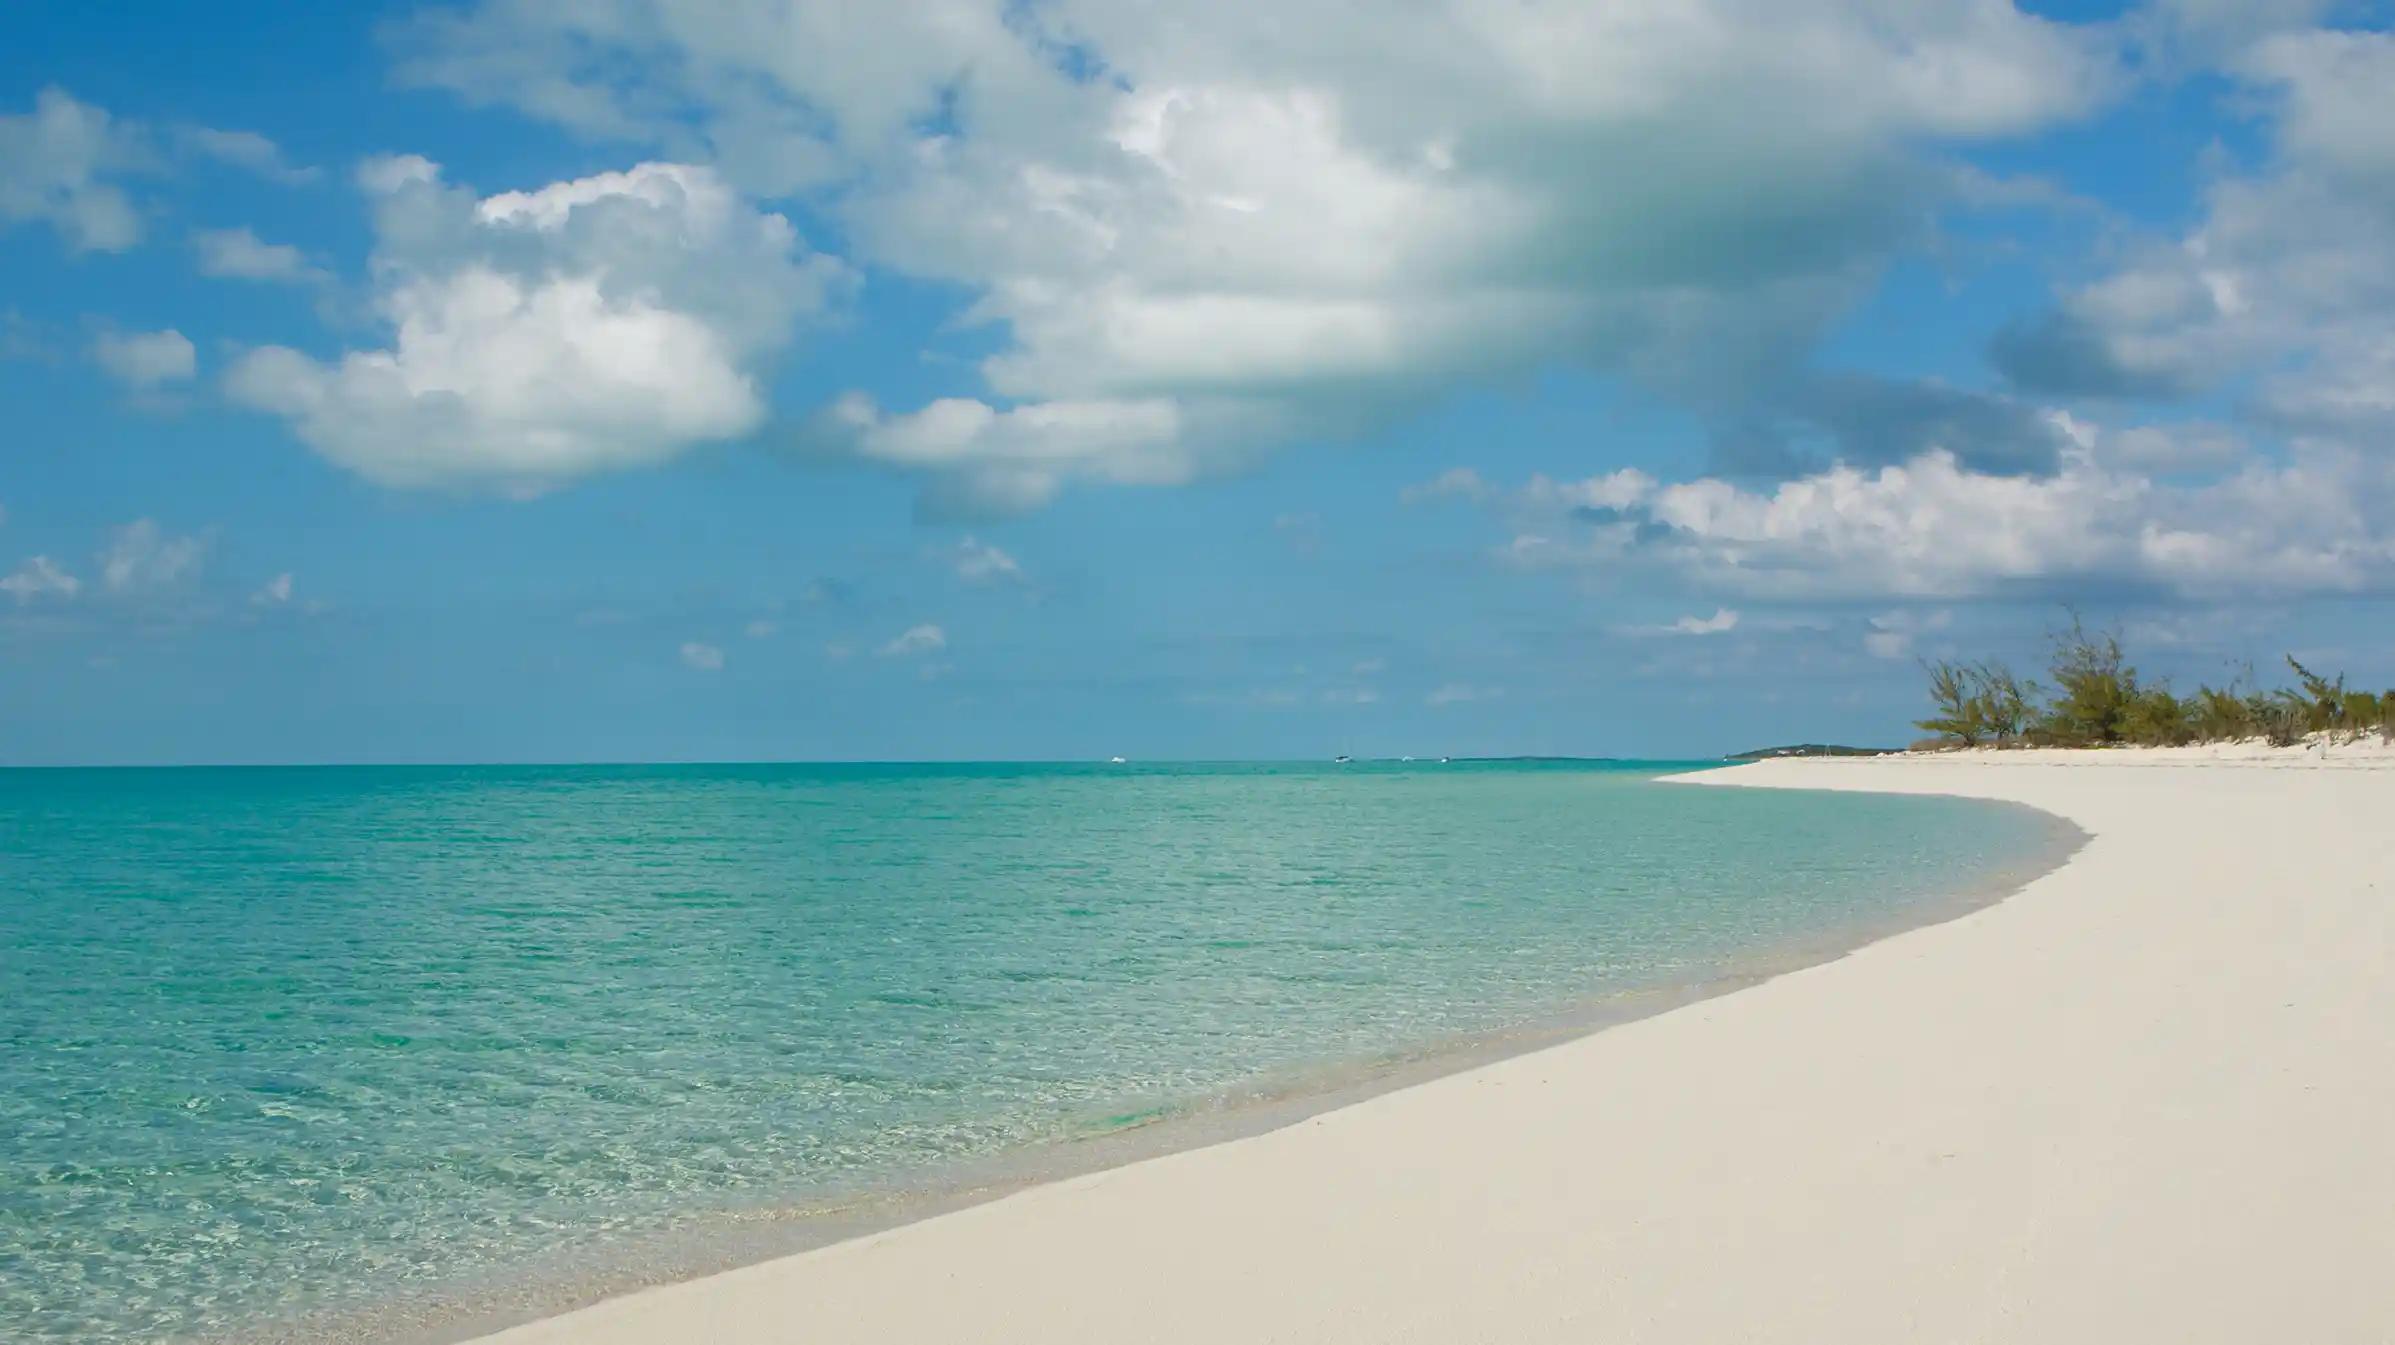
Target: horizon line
x=838 y=761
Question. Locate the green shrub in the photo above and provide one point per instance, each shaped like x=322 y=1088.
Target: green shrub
x=2279 y=715
x=1977 y=702
x=1960 y=717
x=2156 y=718
x=2364 y=713
x=2094 y=688
x=2320 y=702
x=2223 y=716
x=2097 y=700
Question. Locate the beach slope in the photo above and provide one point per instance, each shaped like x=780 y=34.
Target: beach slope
x=2150 y=1097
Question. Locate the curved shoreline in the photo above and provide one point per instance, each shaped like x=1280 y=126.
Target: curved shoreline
x=2135 y=1101
x=732 y=1242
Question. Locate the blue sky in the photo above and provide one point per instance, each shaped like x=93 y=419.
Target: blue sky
x=510 y=381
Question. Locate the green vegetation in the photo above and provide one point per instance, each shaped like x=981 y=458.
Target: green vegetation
x=2097 y=699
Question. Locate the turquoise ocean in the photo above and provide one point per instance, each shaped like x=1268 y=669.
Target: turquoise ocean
x=290 y=1045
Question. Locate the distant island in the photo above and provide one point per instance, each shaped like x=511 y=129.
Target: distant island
x=1808 y=750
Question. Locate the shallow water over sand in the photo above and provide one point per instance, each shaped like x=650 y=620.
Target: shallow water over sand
x=302 y=1041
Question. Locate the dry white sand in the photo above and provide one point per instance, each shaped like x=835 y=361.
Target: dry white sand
x=2151 y=1097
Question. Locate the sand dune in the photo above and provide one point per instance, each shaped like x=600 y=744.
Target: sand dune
x=2151 y=1097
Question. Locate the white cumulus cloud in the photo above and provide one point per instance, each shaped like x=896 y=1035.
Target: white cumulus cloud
x=2322 y=519
x=704 y=657
x=990 y=460
x=604 y=322
x=1198 y=231
x=2286 y=270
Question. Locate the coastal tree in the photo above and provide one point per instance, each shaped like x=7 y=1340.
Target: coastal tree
x=2007 y=703
x=2320 y=701
x=1961 y=714
x=2094 y=687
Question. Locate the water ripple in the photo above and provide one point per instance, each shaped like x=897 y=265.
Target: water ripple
x=288 y=1040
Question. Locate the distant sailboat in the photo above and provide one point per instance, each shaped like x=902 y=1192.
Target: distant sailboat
x=1341 y=759
x=1117 y=761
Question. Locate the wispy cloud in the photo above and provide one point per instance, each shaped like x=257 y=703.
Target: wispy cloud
x=274 y=592
x=239 y=254
x=1462 y=693
x=40 y=577
x=1891 y=635
x=915 y=640
x=1456 y=483
x=145 y=361
x=978 y=562
x=245 y=150
x=1722 y=620
x=142 y=557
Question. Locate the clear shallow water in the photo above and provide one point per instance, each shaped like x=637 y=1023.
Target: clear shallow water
x=299 y=1039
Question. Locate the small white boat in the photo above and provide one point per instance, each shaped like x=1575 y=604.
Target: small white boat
x=1116 y=761
x=1341 y=760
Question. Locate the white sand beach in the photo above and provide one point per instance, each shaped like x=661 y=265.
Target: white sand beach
x=2150 y=1097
